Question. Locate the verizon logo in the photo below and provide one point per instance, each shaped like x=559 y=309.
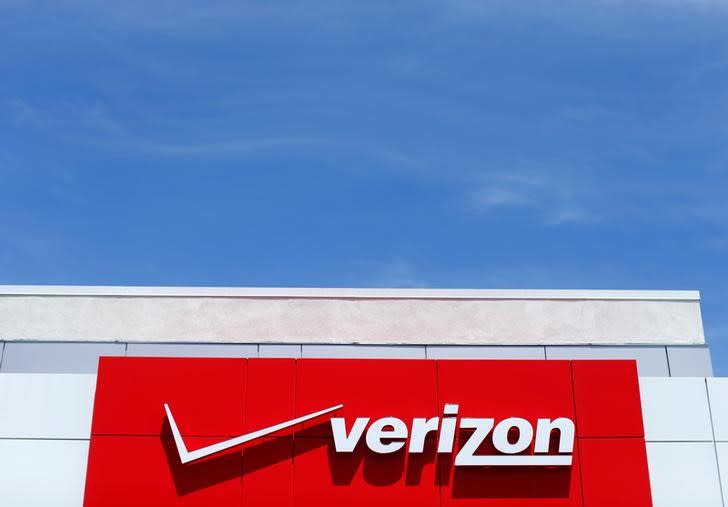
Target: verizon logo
x=510 y=437
x=390 y=434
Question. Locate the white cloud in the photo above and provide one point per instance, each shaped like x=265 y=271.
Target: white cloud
x=489 y=197
x=195 y=16
x=188 y=16
x=716 y=243
x=90 y=116
x=556 y=197
x=601 y=194
x=231 y=147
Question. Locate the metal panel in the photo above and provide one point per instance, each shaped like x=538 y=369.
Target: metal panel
x=268 y=350
x=39 y=473
x=48 y=357
x=2 y=351
x=718 y=393
x=484 y=352
x=722 y=452
x=651 y=360
x=690 y=361
x=675 y=409
x=46 y=405
x=684 y=474
x=364 y=351
x=191 y=350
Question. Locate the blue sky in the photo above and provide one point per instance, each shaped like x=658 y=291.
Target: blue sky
x=409 y=144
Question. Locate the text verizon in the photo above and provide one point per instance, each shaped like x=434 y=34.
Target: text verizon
x=390 y=434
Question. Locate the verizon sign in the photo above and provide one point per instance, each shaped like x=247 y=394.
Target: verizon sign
x=316 y=432
x=389 y=434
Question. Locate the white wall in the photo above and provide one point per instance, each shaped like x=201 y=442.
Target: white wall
x=685 y=431
x=45 y=426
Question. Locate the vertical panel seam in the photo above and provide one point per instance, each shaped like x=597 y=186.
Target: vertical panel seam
x=715 y=445
x=667 y=359
x=576 y=436
x=293 y=437
x=438 y=468
x=246 y=390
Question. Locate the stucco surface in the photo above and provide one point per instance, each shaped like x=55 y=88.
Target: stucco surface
x=370 y=320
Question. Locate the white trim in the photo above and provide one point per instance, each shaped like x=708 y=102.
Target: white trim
x=348 y=293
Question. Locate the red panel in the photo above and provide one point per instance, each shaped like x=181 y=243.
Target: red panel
x=510 y=486
x=268 y=473
x=146 y=471
x=367 y=388
x=607 y=396
x=501 y=389
x=206 y=396
x=271 y=389
x=614 y=472
x=220 y=398
x=324 y=478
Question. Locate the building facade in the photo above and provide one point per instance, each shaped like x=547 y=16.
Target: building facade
x=62 y=418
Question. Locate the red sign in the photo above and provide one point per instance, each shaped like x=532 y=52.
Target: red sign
x=320 y=432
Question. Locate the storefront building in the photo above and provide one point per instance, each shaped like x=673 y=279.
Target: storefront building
x=300 y=397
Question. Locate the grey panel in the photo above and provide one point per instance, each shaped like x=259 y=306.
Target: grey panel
x=2 y=351
x=684 y=474
x=364 y=351
x=718 y=394
x=56 y=357
x=484 y=352
x=651 y=361
x=268 y=350
x=722 y=451
x=46 y=405
x=690 y=361
x=675 y=409
x=192 y=350
x=36 y=473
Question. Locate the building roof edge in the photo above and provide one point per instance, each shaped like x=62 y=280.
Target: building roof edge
x=346 y=293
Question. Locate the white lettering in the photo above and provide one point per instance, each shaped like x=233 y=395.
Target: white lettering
x=378 y=432
x=510 y=437
x=501 y=431
x=447 y=430
x=389 y=434
x=342 y=441
x=420 y=429
x=545 y=427
x=482 y=427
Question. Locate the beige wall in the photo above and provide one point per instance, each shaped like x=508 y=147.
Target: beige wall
x=372 y=316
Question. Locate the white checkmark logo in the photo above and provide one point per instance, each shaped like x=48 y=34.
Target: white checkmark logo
x=188 y=456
